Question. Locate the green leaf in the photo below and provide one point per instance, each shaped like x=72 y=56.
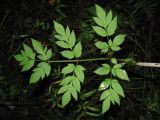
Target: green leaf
x=104 y=84
x=103 y=70
x=106 y=66
x=47 y=69
x=28 y=65
x=117 y=66
x=104 y=50
x=100 y=71
x=67 y=54
x=40 y=71
x=79 y=72
x=100 y=12
x=78 y=50
x=24 y=61
x=113 y=72
x=115 y=48
x=110 y=43
x=34 y=77
x=66 y=98
x=106 y=105
x=118 y=40
x=98 y=21
x=42 y=57
x=121 y=74
x=45 y=49
x=26 y=58
x=72 y=39
x=67 y=32
x=62 y=44
x=59 y=28
x=49 y=53
x=108 y=18
x=76 y=84
x=101 y=45
x=104 y=95
x=114 y=60
x=115 y=97
x=29 y=52
x=117 y=87
x=74 y=92
x=112 y=27
x=66 y=80
x=59 y=37
x=68 y=69
x=19 y=57
x=100 y=31
x=37 y=46
x=63 y=89
x=81 y=67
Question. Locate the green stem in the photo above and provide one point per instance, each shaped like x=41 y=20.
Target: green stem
x=83 y=60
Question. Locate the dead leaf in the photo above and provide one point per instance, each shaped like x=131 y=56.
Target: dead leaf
x=51 y=2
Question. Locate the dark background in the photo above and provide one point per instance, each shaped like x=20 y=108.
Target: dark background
x=139 y=19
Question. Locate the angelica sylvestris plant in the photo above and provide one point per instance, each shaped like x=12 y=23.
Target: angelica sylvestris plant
x=28 y=57
x=112 y=89
x=39 y=60
x=74 y=73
